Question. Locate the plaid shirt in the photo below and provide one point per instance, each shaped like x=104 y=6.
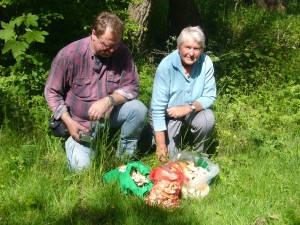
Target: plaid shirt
x=78 y=78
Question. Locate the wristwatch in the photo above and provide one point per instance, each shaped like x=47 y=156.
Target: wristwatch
x=111 y=100
x=192 y=107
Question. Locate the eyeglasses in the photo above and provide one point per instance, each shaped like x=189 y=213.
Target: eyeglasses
x=113 y=46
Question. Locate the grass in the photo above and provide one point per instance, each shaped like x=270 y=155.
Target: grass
x=257 y=147
x=253 y=187
x=257 y=143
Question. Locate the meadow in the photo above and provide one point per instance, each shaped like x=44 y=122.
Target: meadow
x=258 y=182
x=256 y=141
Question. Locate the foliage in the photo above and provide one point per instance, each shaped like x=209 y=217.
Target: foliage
x=256 y=56
x=4 y=3
x=147 y=72
x=18 y=44
x=26 y=59
x=37 y=187
x=24 y=79
x=254 y=46
x=255 y=122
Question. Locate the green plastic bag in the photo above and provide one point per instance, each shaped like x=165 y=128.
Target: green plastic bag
x=123 y=176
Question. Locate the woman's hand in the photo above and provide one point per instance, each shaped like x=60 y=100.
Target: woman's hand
x=179 y=111
x=162 y=153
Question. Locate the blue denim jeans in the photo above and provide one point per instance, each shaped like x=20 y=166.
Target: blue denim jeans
x=130 y=116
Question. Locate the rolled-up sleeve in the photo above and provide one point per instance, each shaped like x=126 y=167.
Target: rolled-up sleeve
x=56 y=82
x=129 y=81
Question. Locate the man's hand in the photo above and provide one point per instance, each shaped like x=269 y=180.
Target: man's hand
x=74 y=129
x=99 y=108
x=73 y=126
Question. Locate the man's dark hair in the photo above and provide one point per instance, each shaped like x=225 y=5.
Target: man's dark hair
x=106 y=19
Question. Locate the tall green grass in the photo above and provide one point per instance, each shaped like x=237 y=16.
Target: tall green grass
x=258 y=181
x=256 y=143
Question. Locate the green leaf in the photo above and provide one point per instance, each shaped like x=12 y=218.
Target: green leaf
x=18 y=21
x=4 y=3
x=18 y=48
x=34 y=35
x=8 y=32
x=31 y=20
x=247 y=54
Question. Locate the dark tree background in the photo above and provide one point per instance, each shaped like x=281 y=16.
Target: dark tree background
x=182 y=13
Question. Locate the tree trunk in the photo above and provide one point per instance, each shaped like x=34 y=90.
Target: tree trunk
x=182 y=13
x=271 y=4
x=139 y=13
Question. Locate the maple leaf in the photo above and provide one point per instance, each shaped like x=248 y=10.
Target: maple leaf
x=34 y=35
x=31 y=20
x=17 y=48
x=7 y=33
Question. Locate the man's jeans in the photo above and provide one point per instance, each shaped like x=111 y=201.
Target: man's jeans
x=130 y=116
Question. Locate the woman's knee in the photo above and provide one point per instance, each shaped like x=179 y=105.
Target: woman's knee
x=204 y=120
x=210 y=118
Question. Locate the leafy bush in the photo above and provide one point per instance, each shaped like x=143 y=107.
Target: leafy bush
x=147 y=72
x=23 y=79
x=25 y=62
x=258 y=81
x=258 y=121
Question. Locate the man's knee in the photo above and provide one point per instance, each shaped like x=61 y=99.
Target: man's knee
x=78 y=156
x=138 y=110
x=140 y=107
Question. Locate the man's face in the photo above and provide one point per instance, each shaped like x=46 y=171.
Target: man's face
x=105 y=44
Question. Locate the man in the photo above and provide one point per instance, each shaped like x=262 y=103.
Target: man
x=92 y=79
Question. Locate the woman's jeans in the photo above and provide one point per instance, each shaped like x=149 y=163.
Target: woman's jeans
x=130 y=116
x=200 y=124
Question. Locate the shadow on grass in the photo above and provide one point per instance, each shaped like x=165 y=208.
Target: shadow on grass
x=145 y=142
x=139 y=213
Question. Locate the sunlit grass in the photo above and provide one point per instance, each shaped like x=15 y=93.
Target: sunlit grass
x=37 y=188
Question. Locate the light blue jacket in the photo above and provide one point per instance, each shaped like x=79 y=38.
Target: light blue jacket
x=172 y=88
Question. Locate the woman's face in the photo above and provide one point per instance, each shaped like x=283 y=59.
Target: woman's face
x=190 y=51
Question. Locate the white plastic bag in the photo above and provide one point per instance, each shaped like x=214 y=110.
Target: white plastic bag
x=200 y=172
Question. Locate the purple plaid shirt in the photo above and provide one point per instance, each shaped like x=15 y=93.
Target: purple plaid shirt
x=75 y=81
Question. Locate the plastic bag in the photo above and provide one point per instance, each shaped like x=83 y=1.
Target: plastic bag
x=202 y=161
x=198 y=171
x=166 y=189
x=128 y=178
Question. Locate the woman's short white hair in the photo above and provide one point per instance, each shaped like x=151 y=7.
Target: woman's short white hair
x=195 y=33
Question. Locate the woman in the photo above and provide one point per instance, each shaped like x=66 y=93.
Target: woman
x=184 y=90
